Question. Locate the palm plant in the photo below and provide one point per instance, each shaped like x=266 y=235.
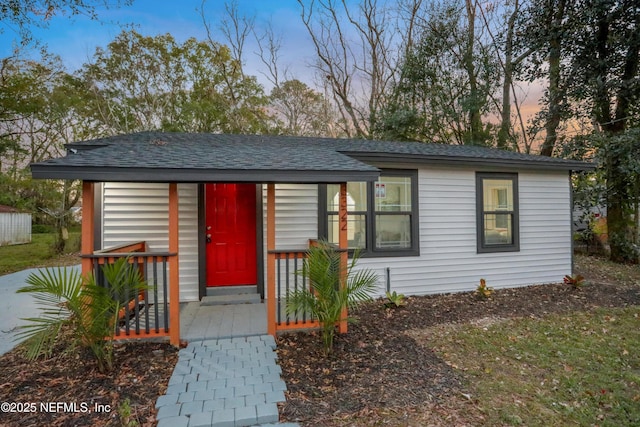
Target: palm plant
x=89 y=309
x=326 y=299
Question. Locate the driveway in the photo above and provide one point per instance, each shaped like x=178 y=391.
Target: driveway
x=14 y=306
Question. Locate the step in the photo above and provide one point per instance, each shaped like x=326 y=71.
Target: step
x=213 y=291
x=231 y=299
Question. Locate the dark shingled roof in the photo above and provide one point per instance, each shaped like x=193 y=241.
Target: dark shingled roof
x=187 y=157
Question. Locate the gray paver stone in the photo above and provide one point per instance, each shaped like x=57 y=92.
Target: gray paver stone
x=202 y=419
x=187 y=396
x=189 y=378
x=253 y=380
x=191 y=408
x=255 y=399
x=235 y=382
x=275 y=369
x=204 y=395
x=213 y=405
x=216 y=383
x=174 y=422
x=199 y=369
x=223 y=418
x=262 y=370
x=224 y=393
x=176 y=379
x=263 y=388
x=176 y=388
x=167 y=399
x=271 y=378
x=269 y=340
x=275 y=396
x=182 y=368
x=246 y=416
x=267 y=413
x=206 y=377
x=279 y=386
x=197 y=386
x=167 y=411
x=234 y=402
x=244 y=390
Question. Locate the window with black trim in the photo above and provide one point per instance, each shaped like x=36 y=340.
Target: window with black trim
x=497 y=212
x=382 y=216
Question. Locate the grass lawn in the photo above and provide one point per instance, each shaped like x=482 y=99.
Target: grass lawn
x=577 y=369
x=38 y=253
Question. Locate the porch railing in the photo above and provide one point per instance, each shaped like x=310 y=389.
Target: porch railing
x=287 y=268
x=145 y=314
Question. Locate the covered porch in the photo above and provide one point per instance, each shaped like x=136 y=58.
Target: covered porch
x=152 y=314
x=155 y=216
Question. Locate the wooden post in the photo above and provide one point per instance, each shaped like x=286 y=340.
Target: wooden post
x=343 y=244
x=174 y=276
x=88 y=225
x=271 y=259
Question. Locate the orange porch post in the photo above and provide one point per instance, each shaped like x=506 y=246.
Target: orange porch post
x=174 y=276
x=88 y=224
x=271 y=259
x=343 y=244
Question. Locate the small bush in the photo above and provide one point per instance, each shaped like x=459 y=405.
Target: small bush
x=483 y=291
x=575 y=280
x=42 y=229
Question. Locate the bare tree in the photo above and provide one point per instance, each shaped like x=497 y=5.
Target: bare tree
x=357 y=53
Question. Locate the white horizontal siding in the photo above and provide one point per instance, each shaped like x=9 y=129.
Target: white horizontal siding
x=296 y=218
x=140 y=211
x=15 y=228
x=449 y=261
x=296 y=215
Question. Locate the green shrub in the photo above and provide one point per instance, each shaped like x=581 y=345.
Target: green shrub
x=89 y=310
x=326 y=299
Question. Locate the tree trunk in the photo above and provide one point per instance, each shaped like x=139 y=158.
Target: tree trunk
x=555 y=89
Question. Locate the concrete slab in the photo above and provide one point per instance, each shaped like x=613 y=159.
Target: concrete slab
x=14 y=307
x=200 y=322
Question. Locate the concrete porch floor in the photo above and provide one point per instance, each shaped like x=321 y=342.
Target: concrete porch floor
x=205 y=322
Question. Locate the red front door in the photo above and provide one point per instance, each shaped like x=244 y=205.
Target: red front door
x=230 y=211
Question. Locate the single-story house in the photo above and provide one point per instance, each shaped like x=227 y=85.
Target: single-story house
x=212 y=210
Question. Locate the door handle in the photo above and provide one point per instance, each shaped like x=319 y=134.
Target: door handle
x=208 y=238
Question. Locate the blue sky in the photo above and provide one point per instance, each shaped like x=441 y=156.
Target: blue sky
x=75 y=38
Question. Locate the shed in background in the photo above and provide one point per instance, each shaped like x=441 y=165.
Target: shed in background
x=15 y=226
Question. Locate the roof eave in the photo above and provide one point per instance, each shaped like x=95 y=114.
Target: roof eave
x=569 y=165
x=111 y=174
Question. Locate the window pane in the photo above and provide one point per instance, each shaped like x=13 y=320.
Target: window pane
x=498 y=195
x=393 y=231
x=498 y=229
x=393 y=194
x=356 y=231
x=356 y=197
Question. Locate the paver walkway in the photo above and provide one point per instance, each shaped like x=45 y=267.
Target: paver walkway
x=228 y=382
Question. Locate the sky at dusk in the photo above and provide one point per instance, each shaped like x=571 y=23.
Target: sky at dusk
x=75 y=38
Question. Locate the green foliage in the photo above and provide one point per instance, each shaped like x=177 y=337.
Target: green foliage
x=37 y=253
x=89 y=311
x=483 y=291
x=126 y=414
x=395 y=299
x=157 y=83
x=326 y=299
x=446 y=82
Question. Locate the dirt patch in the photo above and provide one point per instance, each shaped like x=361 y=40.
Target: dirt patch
x=67 y=390
x=378 y=373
